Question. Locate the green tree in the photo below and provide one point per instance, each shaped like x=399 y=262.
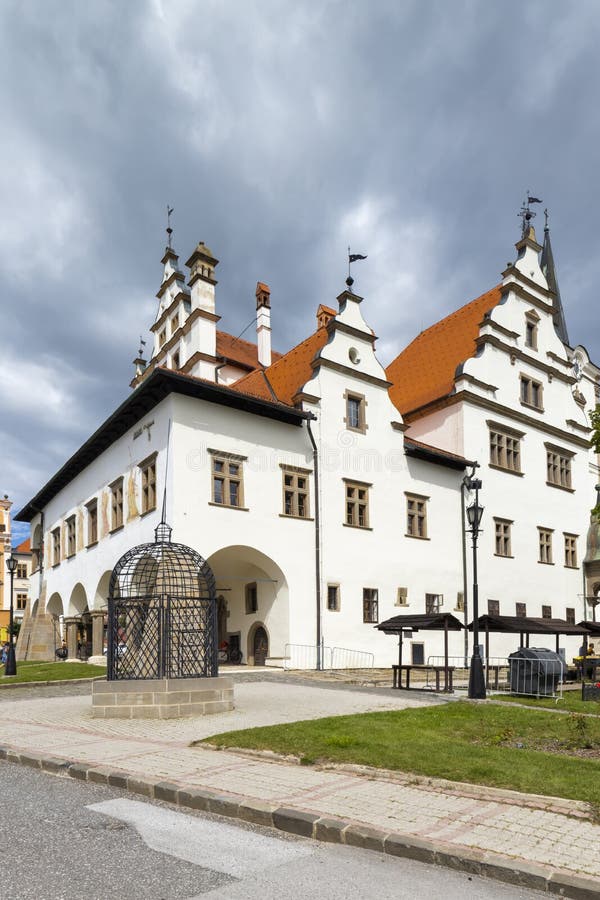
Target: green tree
x=595 y=423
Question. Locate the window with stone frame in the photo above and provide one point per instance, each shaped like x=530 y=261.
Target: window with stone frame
x=460 y=601
x=71 y=536
x=531 y=330
x=531 y=392
x=162 y=337
x=558 y=467
x=333 y=597
x=416 y=516
x=505 y=450
x=148 y=472
x=402 y=596
x=433 y=603
x=545 y=546
x=227 y=479
x=570 y=615
x=521 y=610
x=493 y=607
x=571 y=551
x=21 y=570
x=355 y=419
x=176 y=360
x=92 y=522
x=546 y=612
x=21 y=601
x=357 y=503
x=370 y=606
x=56 y=546
x=174 y=323
x=295 y=492
x=116 y=504
x=503 y=537
x=251 y=596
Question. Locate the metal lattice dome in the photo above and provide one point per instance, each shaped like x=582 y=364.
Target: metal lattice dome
x=162 y=613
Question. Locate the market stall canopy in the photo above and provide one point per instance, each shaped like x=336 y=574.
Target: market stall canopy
x=526 y=625
x=425 y=621
x=592 y=627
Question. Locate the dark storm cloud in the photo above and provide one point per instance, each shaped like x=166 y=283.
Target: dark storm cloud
x=280 y=132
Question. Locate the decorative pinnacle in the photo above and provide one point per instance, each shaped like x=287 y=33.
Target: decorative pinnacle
x=170 y=210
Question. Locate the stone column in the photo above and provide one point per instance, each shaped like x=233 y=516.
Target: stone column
x=71 y=626
x=97 y=658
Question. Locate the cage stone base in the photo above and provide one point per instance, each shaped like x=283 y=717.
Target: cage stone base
x=161 y=698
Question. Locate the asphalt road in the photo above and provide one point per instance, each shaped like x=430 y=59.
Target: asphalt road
x=67 y=840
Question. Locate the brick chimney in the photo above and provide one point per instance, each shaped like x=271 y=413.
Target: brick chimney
x=263 y=323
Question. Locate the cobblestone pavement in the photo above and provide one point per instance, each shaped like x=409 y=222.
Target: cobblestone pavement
x=497 y=822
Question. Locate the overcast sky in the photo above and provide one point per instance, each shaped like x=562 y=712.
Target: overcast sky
x=281 y=132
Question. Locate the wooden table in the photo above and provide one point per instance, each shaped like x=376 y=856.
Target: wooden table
x=408 y=668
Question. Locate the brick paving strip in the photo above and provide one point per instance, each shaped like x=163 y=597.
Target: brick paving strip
x=544 y=843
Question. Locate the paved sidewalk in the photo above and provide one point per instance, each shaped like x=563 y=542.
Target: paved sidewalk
x=534 y=841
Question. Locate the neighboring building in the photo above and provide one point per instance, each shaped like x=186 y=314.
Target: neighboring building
x=325 y=491
x=23 y=554
x=5 y=505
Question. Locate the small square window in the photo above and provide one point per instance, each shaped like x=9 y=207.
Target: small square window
x=493 y=607
x=546 y=612
x=521 y=610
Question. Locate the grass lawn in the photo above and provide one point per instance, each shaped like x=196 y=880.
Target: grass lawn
x=571 y=701
x=51 y=671
x=493 y=745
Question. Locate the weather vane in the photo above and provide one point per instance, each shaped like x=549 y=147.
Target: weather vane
x=169 y=229
x=352 y=257
x=527 y=214
x=142 y=345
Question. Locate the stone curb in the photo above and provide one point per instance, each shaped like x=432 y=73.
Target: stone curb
x=30 y=684
x=300 y=822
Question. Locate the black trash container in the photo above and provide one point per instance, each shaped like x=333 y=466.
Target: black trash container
x=534 y=670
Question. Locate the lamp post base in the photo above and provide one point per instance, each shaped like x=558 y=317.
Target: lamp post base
x=10 y=666
x=476 y=679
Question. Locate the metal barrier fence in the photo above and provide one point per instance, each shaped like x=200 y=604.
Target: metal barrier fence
x=304 y=656
x=524 y=677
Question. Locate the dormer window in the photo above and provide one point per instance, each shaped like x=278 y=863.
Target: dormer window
x=531 y=329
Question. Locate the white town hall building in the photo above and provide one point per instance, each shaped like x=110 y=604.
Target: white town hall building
x=325 y=491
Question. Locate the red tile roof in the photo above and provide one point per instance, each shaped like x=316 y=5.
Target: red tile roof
x=425 y=370
x=24 y=547
x=286 y=375
x=239 y=351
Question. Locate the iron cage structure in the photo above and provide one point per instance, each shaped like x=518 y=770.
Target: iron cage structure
x=162 y=613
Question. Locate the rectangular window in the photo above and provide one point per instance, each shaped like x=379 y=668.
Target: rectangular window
x=370 y=605
x=357 y=504
x=333 y=597
x=174 y=324
x=558 y=467
x=175 y=360
x=355 y=412
x=402 y=596
x=251 y=598
x=545 y=542
x=295 y=493
x=416 y=516
x=227 y=480
x=521 y=610
x=21 y=601
x=71 y=545
x=148 y=470
x=503 y=527
x=531 y=392
x=505 y=451
x=546 y=612
x=162 y=337
x=56 y=546
x=571 y=551
x=493 y=607
x=433 y=603
x=21 y=570
x=570 y=615
x=417 y=654
x=460 y=601
x=92 y=523
x=116 y=504
x=531 y=329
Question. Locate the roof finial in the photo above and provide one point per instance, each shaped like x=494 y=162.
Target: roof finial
x=546 y=219
x=142 y=345
x=169 y=229
x=527 y=214
x=352 y=257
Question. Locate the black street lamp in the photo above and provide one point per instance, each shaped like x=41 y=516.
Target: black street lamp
x=476 y=676
x=10 y=666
